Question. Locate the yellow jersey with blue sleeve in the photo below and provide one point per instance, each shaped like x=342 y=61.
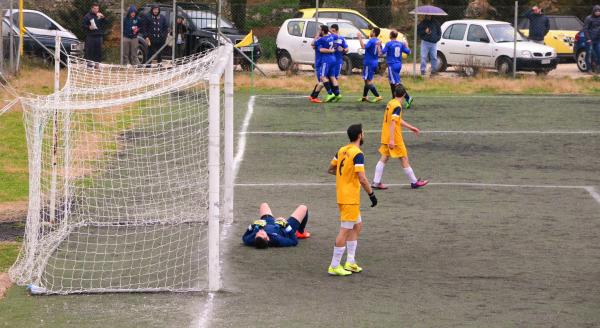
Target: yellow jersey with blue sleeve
x=393 y=112
x=349 y=160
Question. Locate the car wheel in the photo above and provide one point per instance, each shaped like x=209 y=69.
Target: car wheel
x=581 y=64
x=141 y=55
x=347 y=66
x=442 y=64
x=504 y=66
x=284 y=60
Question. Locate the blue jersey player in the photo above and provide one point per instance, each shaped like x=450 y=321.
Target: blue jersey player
x=393 y=51
x=341 y=48
x=314 y=96
x=371 y=61
x=277 y=232
x=326 y=46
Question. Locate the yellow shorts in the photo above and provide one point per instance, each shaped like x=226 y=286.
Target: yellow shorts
x=397 y=152
x=349 y=212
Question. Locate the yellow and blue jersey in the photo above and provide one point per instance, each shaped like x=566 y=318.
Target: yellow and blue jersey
x=349 y=160
x=393 y=112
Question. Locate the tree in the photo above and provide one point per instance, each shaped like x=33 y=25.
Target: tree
x=380 y=11
x=310 y=3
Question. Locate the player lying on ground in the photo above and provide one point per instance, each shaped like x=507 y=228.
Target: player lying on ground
x=370 y=63
x=348 y=166
x=392 y=143
x=393 y=51
x=277 y=232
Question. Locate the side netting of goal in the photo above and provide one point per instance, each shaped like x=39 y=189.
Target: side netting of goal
x=125 y=171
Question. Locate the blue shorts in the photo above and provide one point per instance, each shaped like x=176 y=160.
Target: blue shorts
x=318 y=71
x=369 y=71
x=394 y=73
x=327 y=69
x=337 y=70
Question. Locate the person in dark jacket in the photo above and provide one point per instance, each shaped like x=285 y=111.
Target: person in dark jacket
x=539 y=24
x=155 y=32
x=430 y=32
x=93 y=25
x=131 y=29
x=277 y=232
x=591 y=28
x=180 y=37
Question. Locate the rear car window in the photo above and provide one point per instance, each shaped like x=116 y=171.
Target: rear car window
x=455 y=32
x=295 y=28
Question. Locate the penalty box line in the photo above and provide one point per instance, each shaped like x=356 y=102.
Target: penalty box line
x=475 y=132
x=590 y=189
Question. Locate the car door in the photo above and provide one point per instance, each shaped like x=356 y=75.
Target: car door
x=452 y=44
x=306 y=53
x=479 y=47
x=293 y=40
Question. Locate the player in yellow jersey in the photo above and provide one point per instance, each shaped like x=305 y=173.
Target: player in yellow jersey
x=348 y=166
x=392 y=143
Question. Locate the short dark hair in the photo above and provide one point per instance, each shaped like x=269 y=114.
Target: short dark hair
x=261 y=243
x=393 y=34
x=324 y=29
x=354 y=132
x=95 y=4
x=376 y=30
x=399 y=91
x=335 y=26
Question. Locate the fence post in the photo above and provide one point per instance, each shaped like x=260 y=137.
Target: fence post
x=515 y=39
x=415 y=52
x=11 y=41
x=122 y=34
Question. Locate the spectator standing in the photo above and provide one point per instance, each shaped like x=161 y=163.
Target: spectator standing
x=180 y=37
x=430 y=32
x=591 y=28
x=93 y=25
x=131 y=29
x=155 y=32
x=539 y=24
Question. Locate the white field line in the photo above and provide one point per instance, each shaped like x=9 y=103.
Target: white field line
x=271 y=97
x=483 y=132
x=205 y=316
x=457 y=184
x=593 y=193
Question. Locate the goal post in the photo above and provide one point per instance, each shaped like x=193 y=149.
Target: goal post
x=131 y=173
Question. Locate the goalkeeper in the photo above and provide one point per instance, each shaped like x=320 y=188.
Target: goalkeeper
x=277 y=232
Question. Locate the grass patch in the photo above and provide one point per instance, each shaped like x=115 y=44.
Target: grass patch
x=13 y=158
x=8 y=254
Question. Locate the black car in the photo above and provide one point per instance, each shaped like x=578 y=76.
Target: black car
x=201 y=24
x=40 y=41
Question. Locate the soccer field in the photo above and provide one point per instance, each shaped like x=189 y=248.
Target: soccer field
x=506 y=234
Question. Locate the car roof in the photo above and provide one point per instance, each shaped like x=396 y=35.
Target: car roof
x=329 y=9
x=478 y=21
x=322 y=20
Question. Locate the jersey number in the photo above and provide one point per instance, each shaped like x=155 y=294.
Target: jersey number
x=397 y=52
x=341 y=166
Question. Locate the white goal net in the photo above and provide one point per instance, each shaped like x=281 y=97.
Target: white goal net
x=125 y=177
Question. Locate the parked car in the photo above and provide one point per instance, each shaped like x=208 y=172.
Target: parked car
x=43 y=30
x=354 y=16
x=490 y=44
x=296 y=35
x=580 y=48
x=201 y=23
x=561 y=34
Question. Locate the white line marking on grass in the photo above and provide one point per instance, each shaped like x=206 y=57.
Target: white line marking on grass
x=483 y=132
x=272 y=97
x=593 y=193
x=205 y=317
x=458 y=184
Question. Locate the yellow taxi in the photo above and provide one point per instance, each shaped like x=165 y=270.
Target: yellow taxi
x=561 y=35
x=354 y=16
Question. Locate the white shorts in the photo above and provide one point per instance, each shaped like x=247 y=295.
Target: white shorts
x=350 y=224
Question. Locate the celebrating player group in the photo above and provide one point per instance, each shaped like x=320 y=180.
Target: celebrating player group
x=330 y=48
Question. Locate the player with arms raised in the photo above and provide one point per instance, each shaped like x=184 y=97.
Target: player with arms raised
x=392 y=143
x=348 y=166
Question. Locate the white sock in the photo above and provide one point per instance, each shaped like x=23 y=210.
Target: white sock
x=351 y=245
x=338 y=252
x=410 y=174
x=378 y=172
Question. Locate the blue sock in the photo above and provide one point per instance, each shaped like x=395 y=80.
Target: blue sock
x=406 y=96
x=374 y=90
x=336 y=90
x=327 y=86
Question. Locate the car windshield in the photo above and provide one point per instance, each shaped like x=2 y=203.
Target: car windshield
x=568 y=23
x=504 y=33
x=348 y=30
x=206 y=19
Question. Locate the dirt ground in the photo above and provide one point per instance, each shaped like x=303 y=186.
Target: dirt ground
x=13 y=211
